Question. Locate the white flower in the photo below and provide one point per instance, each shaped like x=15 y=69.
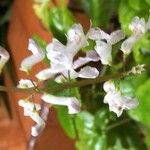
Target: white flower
x=138 y=28
x=62 y=57
x=137 y=25
x=25 y=83
x=38 y=56
x=31 y=110
x=117 y=103
x=71 y=102
x=104 y=48
x=4 y=57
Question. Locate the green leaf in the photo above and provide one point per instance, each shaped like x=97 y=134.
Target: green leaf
x=137 y=5
x=141 y=113
x=66 y=121
x=126 y=13
x=100 y=11
x=39 y=41
x=148 y=138
x=98 y=143
x=130 y=84
x=42 y=11
x=141 y=50
x=102 y=119
x=60 y=22
x=85 y=125
x=125 y=136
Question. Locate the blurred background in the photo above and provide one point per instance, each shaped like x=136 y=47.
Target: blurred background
x=44 y=19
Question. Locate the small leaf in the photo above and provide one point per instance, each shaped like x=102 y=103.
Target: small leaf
x=141 y=50
x=66 y=122
x=141 y=113
x=60 y=22
x=85 y=125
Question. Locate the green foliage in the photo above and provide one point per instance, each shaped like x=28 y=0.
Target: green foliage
x=66 y=121
x=141 y=51
x=100 y=11
x=60 y=21
x=95 y=128
x=141 y=113
x=129 y=85
x=129 y=9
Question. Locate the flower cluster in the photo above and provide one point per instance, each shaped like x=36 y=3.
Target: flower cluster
x=116 y=101
x=64 y=66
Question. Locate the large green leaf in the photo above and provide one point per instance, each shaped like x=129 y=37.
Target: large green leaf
x=85 y=125
x=141 y=113
x=125 y=136
x=100 y=11
x=141 y=50
x=60 y=21
x=66 y=121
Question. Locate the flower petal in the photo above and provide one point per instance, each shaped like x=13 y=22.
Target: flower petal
x=127 y=45
x=25 y=83
x=36 y=130
x=116 y=36
x=38 y=56
x=4 y=57
x=97 y=34
x=46 y=74
x=104 y=51
x=130 y=103
x=71 y=102
x=55 y=51
x=29 y=105
x=88 y=72
x=72 y=74
x=109 y=86
x=90 y=56
x=137 y=25
x=30 y=61
x=76 y=39
x=34 y=48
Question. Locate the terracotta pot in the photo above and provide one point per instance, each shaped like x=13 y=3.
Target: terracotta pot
x=23 y=25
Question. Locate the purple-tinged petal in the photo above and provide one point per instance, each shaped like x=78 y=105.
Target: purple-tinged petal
x=97 y=34
x=116 y=36
x=46 y=74
x=104 y=51
x=88 y=72
x=71 y=102
x=127 y=45
x=90 y=56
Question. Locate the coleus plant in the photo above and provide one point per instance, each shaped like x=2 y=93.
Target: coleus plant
x=65 y=68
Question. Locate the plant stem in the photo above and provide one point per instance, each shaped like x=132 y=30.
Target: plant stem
x=118 y=124
x=64 y=85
